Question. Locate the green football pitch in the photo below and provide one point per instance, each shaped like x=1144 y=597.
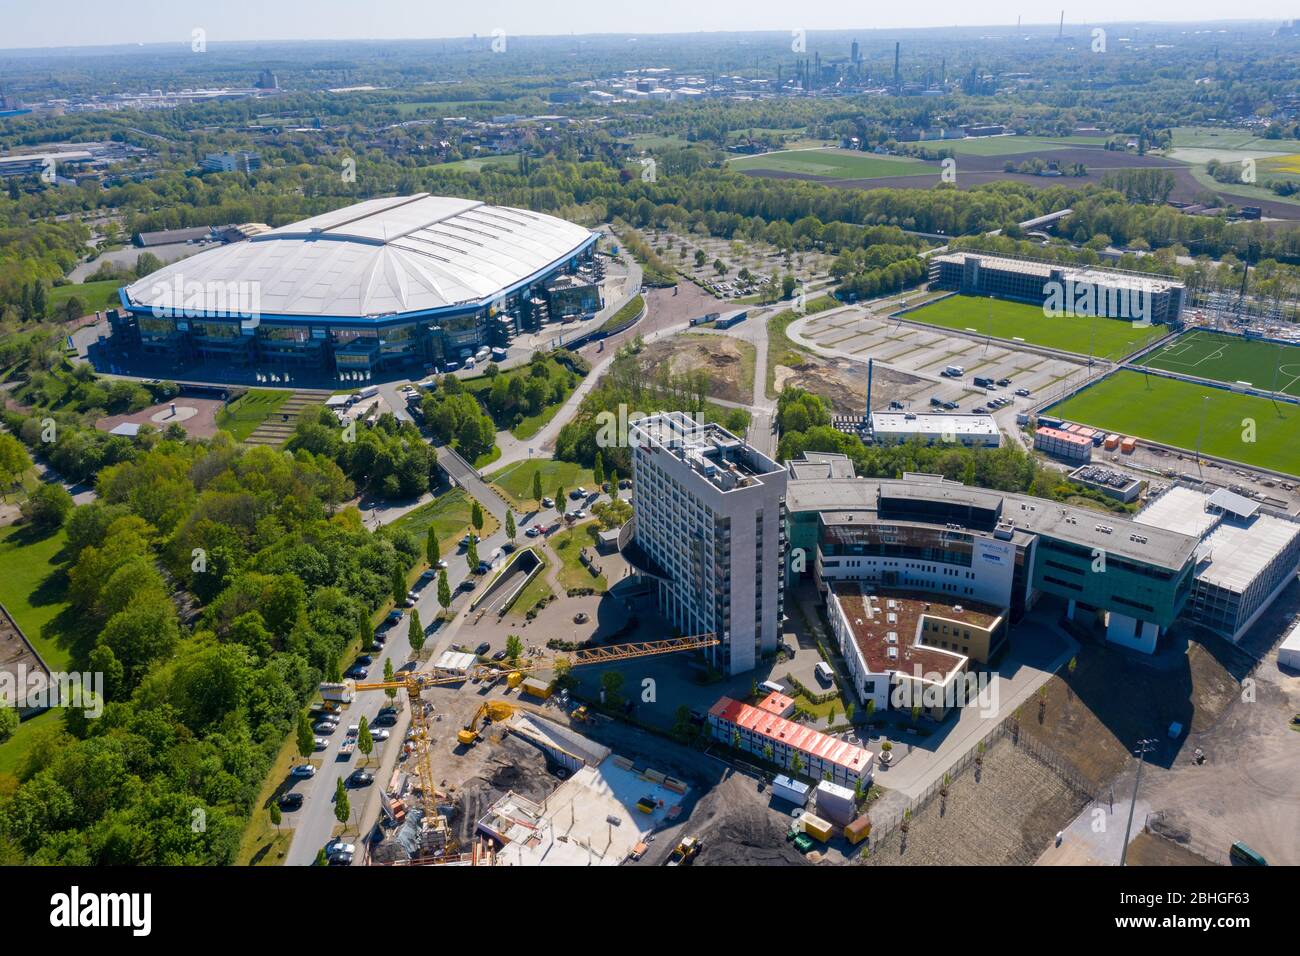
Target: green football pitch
x=1245 y=428
x=1003 y=319
x=1270 y=366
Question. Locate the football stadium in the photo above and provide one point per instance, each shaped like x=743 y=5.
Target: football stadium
x=409 y=281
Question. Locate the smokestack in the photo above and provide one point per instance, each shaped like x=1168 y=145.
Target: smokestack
x=898 y=83
x=1060 y=31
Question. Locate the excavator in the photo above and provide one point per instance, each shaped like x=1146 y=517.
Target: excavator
x=492 y=711
x=414 y=684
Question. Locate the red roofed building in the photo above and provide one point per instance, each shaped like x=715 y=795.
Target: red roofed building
x=758 y=729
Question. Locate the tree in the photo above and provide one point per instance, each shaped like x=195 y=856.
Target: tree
x=47 y=507
x=365 y=739
x=476 y=516
x=342 y=809
x=306 y=739
x=399 y=585
x=611 y=682
x=390 y=692
x=322 y=858
x=559 y=497
x=432 y=553
x=510 y=525
x=537 y=486
x=415 y=632
x=849 y=710
x=444 y=591
x=8 y=720
x=514 y=648
x=14 y=460
x=471 y=556
x=598 y=470
x=796 y=763
x=275 y=815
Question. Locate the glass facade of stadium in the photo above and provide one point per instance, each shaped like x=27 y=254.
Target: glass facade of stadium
x=335 y=345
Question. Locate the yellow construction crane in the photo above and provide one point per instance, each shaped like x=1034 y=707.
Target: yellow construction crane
x=415 y=683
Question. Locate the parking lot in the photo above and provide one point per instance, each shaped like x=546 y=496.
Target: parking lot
x=923 y=354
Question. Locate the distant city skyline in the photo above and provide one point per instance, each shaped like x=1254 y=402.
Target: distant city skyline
x=81 y=23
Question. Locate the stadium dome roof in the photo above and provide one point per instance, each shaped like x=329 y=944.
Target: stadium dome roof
x=380 y=257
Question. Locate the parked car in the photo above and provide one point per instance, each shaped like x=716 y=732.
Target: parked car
x=950 y=406
x=379 y=736
x=936 y=401
x=365 y=659
x=290 y=801
x=384 y=720
x=387 y=710
x=577 y=493
x=303 y=771
x=1004 y=382
x=533 y=531
x=441 y=565
x=483 y=648
x=358 y=671
x=322 y=743
x=548 y=502
x=326 y=727
x=1022 y=392
x=360 y=778
x=469 y=584
x=336 y=845
x=341 y=859
x=408 y=666
x=499 y=656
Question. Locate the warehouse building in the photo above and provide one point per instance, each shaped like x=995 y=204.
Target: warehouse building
x=1245 y=558
x=407 y=281
x=973 y=431
x=1075 y=290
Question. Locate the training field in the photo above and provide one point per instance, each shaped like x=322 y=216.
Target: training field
x=1270 y=366
x=831 y=164
x=1002 y=319
x=1169 y=411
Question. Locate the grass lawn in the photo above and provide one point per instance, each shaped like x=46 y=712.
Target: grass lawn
x=1003 y=319
x=94 y=296
x=478 y=163
x=263 y=844
x=448 y=515
x=14 y=750
x=536 y=591
x=1012 y=145
x=831 y=164
x=1231 y=359
x=516 y=481
x=1171 y=411
x=567 y=545
x=32 y=588
x=780 y=350
x=242 y=416
x=631 y=308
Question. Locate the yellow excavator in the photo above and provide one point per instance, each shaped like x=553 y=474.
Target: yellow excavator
x=492 y=711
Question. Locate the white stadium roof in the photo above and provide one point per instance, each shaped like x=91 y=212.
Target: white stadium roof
x=377 y=258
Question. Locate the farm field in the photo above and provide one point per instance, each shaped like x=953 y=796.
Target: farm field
x=1229 y=358
x=1003 y=319
x=1170 y=411
x=1012 y=145
x=830 y=164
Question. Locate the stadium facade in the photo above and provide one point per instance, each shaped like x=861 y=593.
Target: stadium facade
x=1070 y=290
x=387 y=283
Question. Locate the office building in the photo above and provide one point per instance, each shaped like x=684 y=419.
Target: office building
x=709 y=515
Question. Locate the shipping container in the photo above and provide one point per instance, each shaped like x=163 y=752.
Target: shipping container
x=858 y=830
x=791 y=790
x=815 y=826
x=538 y=688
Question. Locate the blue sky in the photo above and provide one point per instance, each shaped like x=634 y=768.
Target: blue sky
x=95 y=22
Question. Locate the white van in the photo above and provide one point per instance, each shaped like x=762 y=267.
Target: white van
x=954 y=371
x=824 y=673
x=370 y=391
